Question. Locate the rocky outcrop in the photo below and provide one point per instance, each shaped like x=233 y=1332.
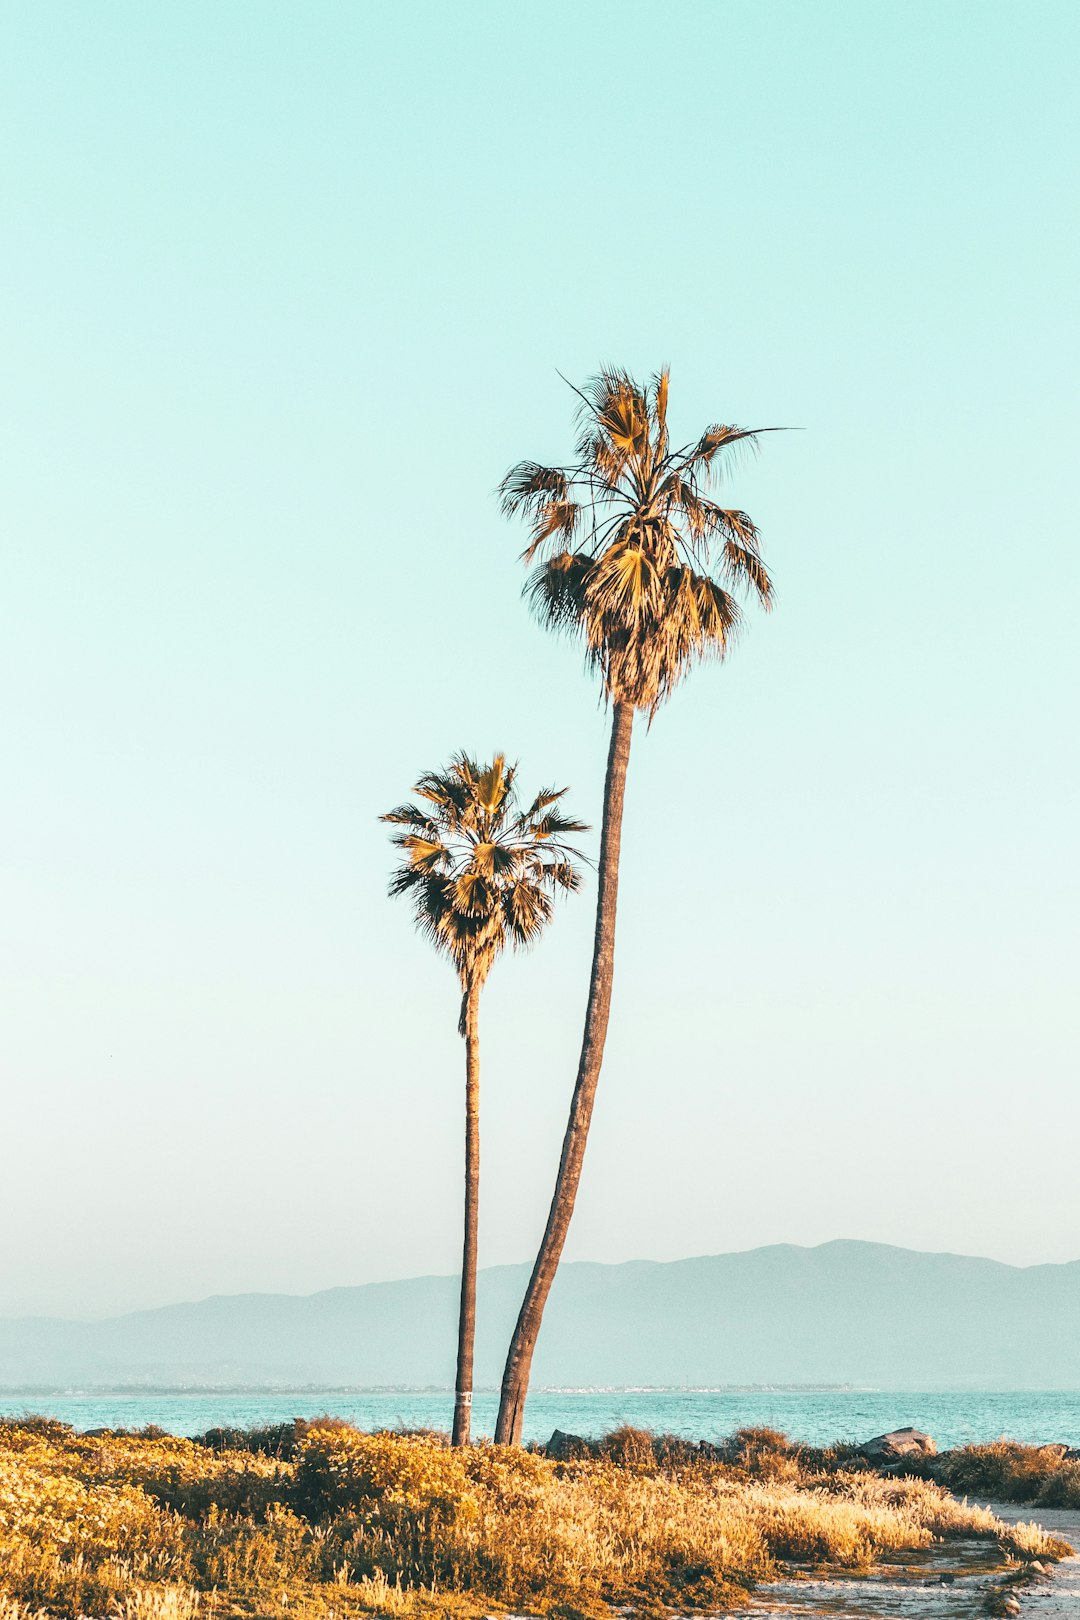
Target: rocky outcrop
x=565 y=1447
x=898 y=1445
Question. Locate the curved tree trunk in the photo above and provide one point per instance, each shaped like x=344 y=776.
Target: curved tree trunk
x=515 y=1384
x=467 y=1314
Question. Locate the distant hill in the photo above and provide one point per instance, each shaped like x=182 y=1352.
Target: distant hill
x=845 y=1312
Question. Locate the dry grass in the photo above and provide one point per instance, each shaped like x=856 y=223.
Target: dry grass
x=1008 y=1472
x=12 y=1609
x=321 y=1521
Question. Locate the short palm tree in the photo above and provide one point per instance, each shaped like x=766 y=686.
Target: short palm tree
x=629 y=552
x=481 y=873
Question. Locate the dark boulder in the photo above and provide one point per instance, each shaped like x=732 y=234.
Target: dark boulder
x=565 y=1447
x=898 y=1445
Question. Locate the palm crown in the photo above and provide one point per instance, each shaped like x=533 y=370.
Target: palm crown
x=629 y=550
x=480 y=870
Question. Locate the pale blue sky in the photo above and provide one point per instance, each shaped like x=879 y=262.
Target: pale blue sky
x=284 y=290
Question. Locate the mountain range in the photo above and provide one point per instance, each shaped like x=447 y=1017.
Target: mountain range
x=865 y=1314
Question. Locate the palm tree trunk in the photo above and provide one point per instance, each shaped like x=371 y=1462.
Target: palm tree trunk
x=515 y=1384
x=467 y=1313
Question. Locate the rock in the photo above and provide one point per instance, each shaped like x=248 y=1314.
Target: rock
x=564 y=1447
x=899 y=1443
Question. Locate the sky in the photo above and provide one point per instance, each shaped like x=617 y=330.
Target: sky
x=283 y=292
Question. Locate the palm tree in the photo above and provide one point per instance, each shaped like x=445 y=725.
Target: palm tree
x=631 y=554
x=480 y=872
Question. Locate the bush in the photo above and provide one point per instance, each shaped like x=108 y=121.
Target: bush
x=1005 y=1471
x=319 y=1519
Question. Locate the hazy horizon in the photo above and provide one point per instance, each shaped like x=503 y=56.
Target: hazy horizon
x=580 y=1260
x=282 y=301
x=781 y=1314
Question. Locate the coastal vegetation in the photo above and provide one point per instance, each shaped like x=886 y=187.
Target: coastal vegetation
x=1004 y=1471
x=630 y=555
x=319 y=1520
x=480 y=872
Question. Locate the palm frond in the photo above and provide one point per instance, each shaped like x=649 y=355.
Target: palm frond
x=556 y=590
x=479 y=869
x=546 y=797
x=553 y=520
x=612 y=534
x=409 y=815
x=530 y=485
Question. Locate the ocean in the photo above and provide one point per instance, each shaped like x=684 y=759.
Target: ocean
x=815 y=1416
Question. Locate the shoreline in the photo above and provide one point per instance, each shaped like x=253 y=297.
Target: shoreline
x=817 y=1416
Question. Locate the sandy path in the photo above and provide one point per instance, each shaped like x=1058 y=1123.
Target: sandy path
x=948 y=1582
x=1059 y=1597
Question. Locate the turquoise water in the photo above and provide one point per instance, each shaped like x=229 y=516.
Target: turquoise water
x=817 y=1417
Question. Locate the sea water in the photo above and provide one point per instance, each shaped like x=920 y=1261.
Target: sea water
x=816 y=1417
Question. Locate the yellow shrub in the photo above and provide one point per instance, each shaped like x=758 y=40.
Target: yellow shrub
x=1009 y=1472
x=336 y=1524
x=341 y=1470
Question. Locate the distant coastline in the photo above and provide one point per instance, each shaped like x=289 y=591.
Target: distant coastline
x=203 y=1389
x=845 y=1315
x=808 y=1415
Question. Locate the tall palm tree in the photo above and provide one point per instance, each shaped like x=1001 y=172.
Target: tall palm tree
x=629 y=552
x=480 y=872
